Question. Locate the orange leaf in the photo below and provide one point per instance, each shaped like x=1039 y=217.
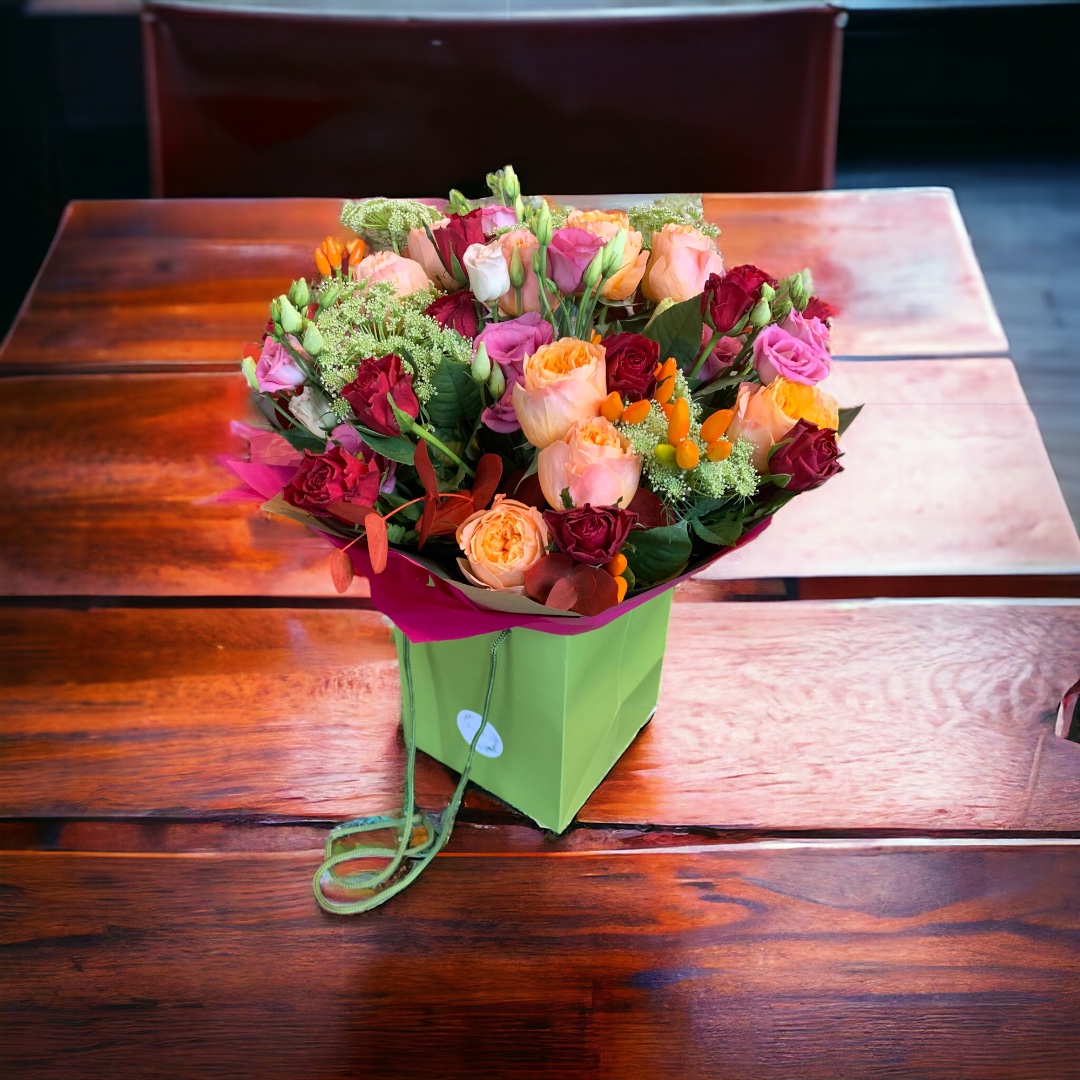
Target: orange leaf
x=376 y=541
x=354 y=512
x=341 y=570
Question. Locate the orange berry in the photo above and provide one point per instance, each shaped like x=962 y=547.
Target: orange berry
x=616 y=565
x=635 y=412
x=688 y=455
x=322 y=264
x=656 y=370
x=668 y=367
x=716 y=425
x=678 y=421
x=356 y=250
x=611 y=408
x=333 y=251
x=620 y=589
x=596 y=338
x=718 y=450
x=668 y=408
x=665 y=388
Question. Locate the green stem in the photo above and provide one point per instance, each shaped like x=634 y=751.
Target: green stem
x=439 y=445
x=709 y=346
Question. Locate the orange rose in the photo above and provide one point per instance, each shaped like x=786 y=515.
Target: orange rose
x=765 y=414
x=681 y=261
x=501 y=543
x=593 y=463
x=606 y=224
x=406 y=275
x=563 y=382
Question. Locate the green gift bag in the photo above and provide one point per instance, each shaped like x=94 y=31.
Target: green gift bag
x=563 y=708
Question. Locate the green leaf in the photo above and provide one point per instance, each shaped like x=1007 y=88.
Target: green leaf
x=394 y=447
x=299 y=439
x=456 y=398
x=655 y=555
x=781 y=480
x=395 y=533
x=678 y=331
x=722 y=533
x=846 y=417
x=568 y=503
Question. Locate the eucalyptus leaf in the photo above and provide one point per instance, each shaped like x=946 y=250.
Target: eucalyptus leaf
x=655 y=555
x=846 y=417
x=678 y=331
x=457 y=397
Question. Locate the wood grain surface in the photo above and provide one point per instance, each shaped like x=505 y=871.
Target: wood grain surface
x=187 y=282
x=958 y=964
x=107 y=481
x=815 y=715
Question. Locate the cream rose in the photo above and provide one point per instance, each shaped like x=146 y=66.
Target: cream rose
x=501 y=543
x=489 y=276
x=593 y=463
x=681 y=261
x=407 y=275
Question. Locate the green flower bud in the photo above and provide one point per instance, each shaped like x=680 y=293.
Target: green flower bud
x=458 y=203
x=519 y=208
x=300 y=294
x=517 y=271
x=275 y=311
x=761 y=313
x=481 y=364
x=510 y=183
x=313 y=342
x=613 y=253
x=665 y=454
x=660 y=309
x=329 y=298
x=768 y=292
x=291 y=320
x=536 y=264
x=593 y=271
x=782 y=309
x=247 y=366
x=496 y=383
x=544 y=229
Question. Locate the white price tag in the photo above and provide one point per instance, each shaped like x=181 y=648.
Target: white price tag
x=489 y=744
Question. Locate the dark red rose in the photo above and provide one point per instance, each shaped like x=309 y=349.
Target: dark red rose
x=590 y=534
x=818 y=309
x=457 y=311
x=336 y=476
x=376 y=378
x=631 y=362
x=453 y=238
x=809 y=458
x=725 y=300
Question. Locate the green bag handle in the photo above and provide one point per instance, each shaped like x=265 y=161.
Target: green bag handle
x=381 y=885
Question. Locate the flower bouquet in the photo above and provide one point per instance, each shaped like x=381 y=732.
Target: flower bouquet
x=513 y=415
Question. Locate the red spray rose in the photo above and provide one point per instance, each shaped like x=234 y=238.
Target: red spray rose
x=453 y=238
x=456 y=311
x=590 y=534
x=336 y=476
x=816 y=308
x=631 y=361
x=809 y=458
x=376 y=378
x=725 y=300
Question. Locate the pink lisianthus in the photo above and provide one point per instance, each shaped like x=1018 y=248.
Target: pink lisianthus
x=406 y=275
x=562 y=382
x=719 y=360
x=593 y=463
x=681 y=262
x=508 y=343
x=777 y=352
x=569 y=254
x=277 y=370
x=423 y=251
x=496 y=217
x=526 y=244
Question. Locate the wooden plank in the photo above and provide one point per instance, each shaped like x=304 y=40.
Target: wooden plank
x=136 y=283
x=731 y=963
x=897 y=263
x=817 y=715
x=106 y=482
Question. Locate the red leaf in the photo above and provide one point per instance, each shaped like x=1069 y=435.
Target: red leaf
x=425 y=470
x=449 y=514
x=376 y=541
x=341 y=570
x=596 y=590
x=486 y=482
x=354 y=512
x=563 y=595
x=542 y=576
x=529 y=492
x=651 y=512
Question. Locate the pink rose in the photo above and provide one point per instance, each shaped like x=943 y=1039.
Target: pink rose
x=681 y=261
x=776 y=352
x=593 y=462
x=570 y=252
x=562 y=382
x=407 y=275
x=526 y=244
x=810 y=329
x=508 y=343
x=277 y=370
x=423 y=251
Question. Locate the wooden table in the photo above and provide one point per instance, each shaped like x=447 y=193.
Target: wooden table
x=848 y=844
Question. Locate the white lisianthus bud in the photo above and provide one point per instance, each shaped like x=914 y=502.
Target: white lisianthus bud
x=291 y=320
x=496 y=382
x=481 y=364
x=312 y=409
x=761 y=313
x=613 y=253
x=517 y=269
x=489 y=277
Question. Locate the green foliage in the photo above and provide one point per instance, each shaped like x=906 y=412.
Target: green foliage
x=656 y=555
x=456 y=398
x=394 y=447
x=846 y=418
x=678 y=332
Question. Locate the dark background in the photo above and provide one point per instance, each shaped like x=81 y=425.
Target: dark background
x=931 y=85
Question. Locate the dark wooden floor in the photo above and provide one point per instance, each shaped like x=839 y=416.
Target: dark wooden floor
x=1024 y=220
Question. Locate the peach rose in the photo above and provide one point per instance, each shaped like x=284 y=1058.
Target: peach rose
x=562 y=382
x=501 y=543
x=681 y=261
x=593 y=462
x=406 y=275
x=765 y=414
x=606 y=224
x=423 y=251
x=526 y=244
